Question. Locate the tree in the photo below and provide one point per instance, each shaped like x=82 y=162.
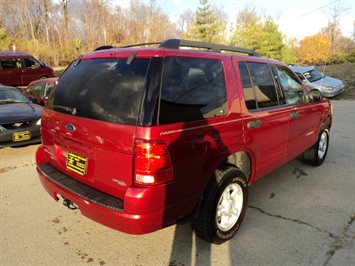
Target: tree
x=313 y=49
x=271 y=40
x=146 y=23
x=185 y=22
x=209 y=25
x=333 y=31
x=5 y=41
x=56 y=31
x=262 y=35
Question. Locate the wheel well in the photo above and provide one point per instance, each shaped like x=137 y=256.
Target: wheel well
x=327 y=123
x=242 y=161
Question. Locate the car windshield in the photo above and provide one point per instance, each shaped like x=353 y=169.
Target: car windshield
x=12 y=96
x=108 y=90
x=313 y=75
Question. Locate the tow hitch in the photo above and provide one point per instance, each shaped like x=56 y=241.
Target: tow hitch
x=69 y=204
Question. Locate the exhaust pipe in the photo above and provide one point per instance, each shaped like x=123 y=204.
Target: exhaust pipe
x=69 y=204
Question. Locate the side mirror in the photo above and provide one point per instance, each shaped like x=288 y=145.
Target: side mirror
x=316 y=96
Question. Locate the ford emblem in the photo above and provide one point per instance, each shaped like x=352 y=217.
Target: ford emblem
x=70 y=127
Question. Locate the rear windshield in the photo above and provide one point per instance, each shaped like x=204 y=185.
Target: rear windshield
x=108 y=90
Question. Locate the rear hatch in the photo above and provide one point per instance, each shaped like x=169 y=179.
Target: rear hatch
x=89 y=123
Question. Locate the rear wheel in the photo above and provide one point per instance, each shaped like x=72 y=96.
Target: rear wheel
x=317 y=153
x=223 y=206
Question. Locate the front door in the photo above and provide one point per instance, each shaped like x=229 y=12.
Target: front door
x=266 y=123
x=303 y=116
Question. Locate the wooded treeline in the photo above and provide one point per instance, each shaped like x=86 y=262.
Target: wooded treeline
x=56 y=31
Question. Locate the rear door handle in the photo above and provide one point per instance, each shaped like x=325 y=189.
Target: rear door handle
x=294 y=115
x=254 y=124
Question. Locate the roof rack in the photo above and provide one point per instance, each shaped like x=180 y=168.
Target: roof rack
x=177 y=43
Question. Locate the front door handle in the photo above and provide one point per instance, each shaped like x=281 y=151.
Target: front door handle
x=294 y=115
x=254 y=124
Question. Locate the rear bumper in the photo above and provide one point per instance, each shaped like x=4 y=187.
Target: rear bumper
x=107 y=209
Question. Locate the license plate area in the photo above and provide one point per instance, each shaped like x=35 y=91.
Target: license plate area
x=21 y=136
x=76 y=163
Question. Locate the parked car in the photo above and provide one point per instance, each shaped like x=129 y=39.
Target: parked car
x=38 y=91
x=315 y=80
x=140 y=138
x=20 y=119
x=20 y=68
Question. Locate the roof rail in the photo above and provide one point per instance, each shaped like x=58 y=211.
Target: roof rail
x=177 y=43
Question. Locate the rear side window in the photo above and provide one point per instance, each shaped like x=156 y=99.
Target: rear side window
x=191 y=89
x=259 y=87
x=109 y=90
x=10 y=63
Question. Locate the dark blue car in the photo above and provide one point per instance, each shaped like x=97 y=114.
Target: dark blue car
x=20 y=119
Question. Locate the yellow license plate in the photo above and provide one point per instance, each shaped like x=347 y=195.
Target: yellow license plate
x=76 y=163
x=21 y=136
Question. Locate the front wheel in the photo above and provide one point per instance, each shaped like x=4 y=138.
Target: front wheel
x=317 y=153
x=223 y=206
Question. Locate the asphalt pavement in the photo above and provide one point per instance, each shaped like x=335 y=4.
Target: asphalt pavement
x=297 y=215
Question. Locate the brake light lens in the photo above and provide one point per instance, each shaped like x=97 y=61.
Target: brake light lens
x=152 y=164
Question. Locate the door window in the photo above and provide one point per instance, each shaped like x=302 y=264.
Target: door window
x=32 y=63
x=292 y=87
x=260 y=90
x=192 y=89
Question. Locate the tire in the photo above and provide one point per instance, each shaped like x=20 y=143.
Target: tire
x=223 y=206
x=317 y=153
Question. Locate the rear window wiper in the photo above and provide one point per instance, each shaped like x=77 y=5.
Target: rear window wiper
x=78 y=60
x=73 y=111
x=131 y=58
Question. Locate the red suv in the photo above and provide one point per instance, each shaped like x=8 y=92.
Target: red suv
x=139 y=138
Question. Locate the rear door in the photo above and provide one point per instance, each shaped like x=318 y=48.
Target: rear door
x=90 y=121
x=266 y=122
x=192 y=120
x=96 y=153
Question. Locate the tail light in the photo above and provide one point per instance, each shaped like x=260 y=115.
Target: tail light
x=152 y=164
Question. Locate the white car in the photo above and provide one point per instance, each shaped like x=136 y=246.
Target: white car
x=314 y=79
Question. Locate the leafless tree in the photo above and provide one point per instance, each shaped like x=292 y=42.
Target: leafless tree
x=333 y=30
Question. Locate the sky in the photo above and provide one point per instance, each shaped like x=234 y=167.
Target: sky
x=296 y=18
